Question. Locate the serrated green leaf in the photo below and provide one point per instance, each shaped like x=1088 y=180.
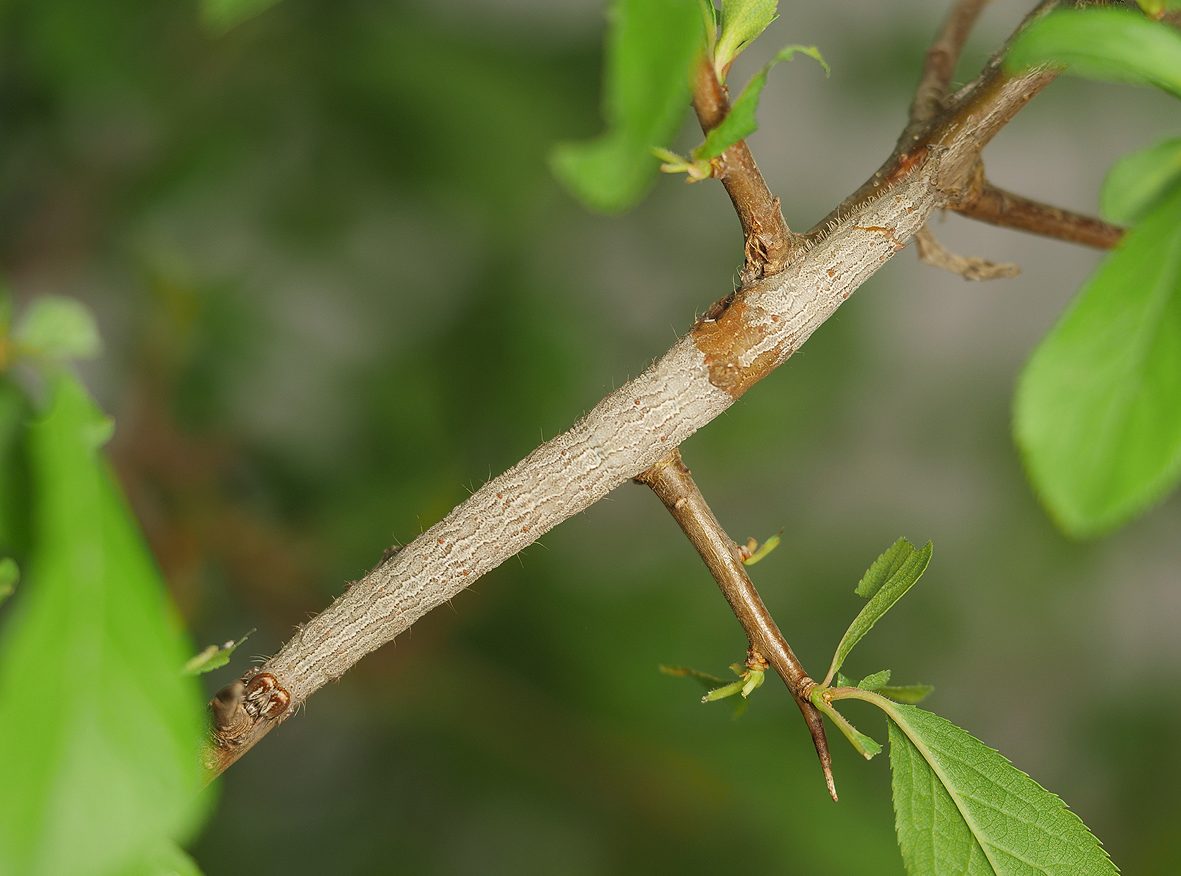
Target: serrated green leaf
x=886 y=594
x=884 y=567
x=742 y=120
x=212 y=657
x=907 y=693
x=1139 y=181
x=875 y=681
x=742 y=23
x=963 y=808
x=651 y=47
x=57 y=328
x=106 y=729
x=1098 y=407
x=221 y=15
x=1111 y=44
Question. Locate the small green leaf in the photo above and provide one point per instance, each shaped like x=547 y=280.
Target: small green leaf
x=57 y=328
x=729 y=690
x=844 y=680
x=742 y=23
x=754 y=680
x=1112 y=44
x=106 y=729
x=1139 y=181
x=221 y=15
x=875 y=681
x=885 y=594
x=907 y=693
x=709 y=682
x=761 y=551
x=213 y=657
x=1098 y=407
x=866 y=746
x=884 y=568
x=963 y=808
x=10 y=575
x=741 y=121
x=651 y=47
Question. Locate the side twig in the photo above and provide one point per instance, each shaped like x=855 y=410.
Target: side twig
x=993 y=205
x=673 y=484
x=768 y=240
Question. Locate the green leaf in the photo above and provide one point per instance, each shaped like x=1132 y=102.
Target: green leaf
x=710 y=20
x=709 y=682
x=1098 y=407
x=761 y=551
x=1138 y=181
x=902 y=577
x=742 y=23
x=875 y=681
x=907 y=693
x=881 y=570
x=166 y=859
x=1111 y=44
x=221 y=15
x=106 y=729
x=866 y=746
x=57 y=328
x=213 y=657
x=651 y=47
x=10 y=574
x=741 y=121
x=963 y=808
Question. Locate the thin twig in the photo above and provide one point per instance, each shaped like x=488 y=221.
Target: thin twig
x=767 y=239
x=940 y=63
x=993 y=205
x=933 y=253
x=673 y=484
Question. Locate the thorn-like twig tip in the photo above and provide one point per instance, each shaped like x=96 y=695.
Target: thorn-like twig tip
x=815 y=722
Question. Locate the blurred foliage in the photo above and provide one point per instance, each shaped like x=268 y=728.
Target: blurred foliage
x=338 y=287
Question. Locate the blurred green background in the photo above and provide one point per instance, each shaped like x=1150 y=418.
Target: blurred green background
x=339 y=289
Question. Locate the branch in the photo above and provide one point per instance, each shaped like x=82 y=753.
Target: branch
x=632 y=428
x=768 y=241
x=939 y=65
x=993 y=205
x=673 y=484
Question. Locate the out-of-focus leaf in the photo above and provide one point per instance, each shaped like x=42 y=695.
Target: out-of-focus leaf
x=741 y=121
x=221 y=15
x=651 y=47
x=709 y=682
x=963 y=808
x=57 y=328
x=1111 y=44
x=904 y=572
x=14 y=487
x=1098 y=407
x=907 y=693
x=1158 y=8
x=1138 y=181
x=10 y=574
x=167 y=859
x=212 y=657
x=742 y=23
x=100 y=731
